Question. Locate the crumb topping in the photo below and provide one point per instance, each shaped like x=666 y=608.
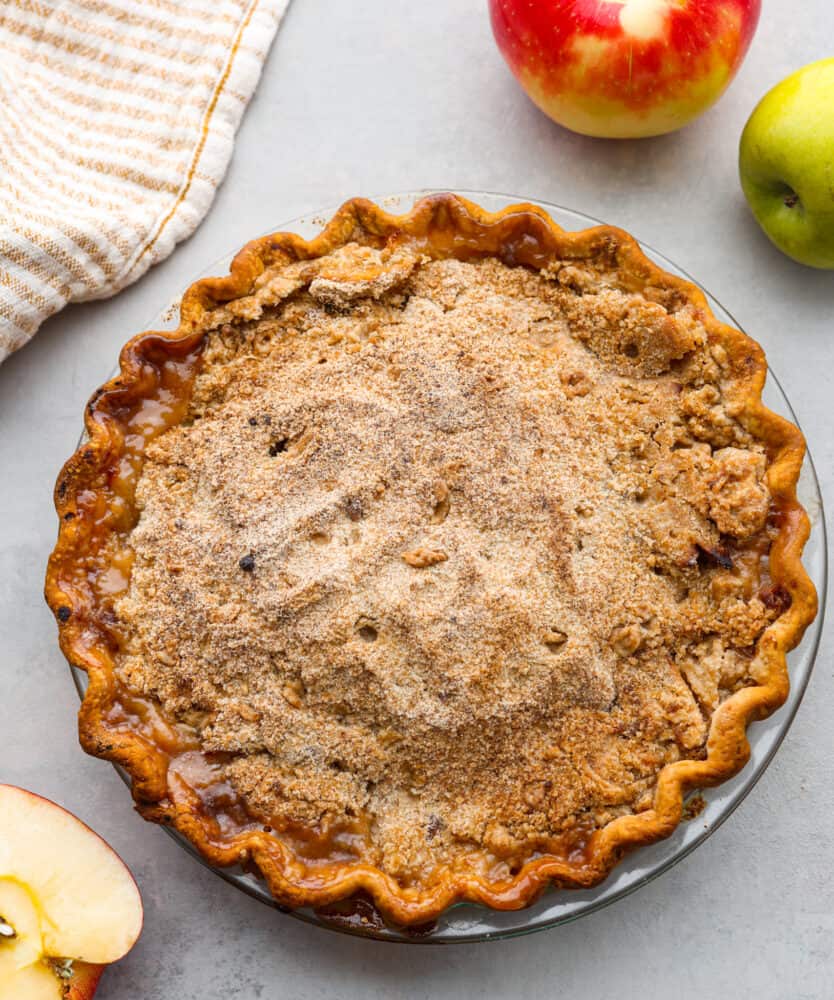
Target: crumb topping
x=459 y=553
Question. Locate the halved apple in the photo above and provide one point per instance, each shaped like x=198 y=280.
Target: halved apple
x=68 y=904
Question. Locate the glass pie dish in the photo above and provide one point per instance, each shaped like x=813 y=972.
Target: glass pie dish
x=469 y=922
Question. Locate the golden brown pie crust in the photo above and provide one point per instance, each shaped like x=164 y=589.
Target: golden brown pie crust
x=173 y=782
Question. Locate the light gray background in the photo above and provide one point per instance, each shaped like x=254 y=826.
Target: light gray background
x=365 y=97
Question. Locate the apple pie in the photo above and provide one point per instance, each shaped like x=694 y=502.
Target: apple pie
x=436 y=558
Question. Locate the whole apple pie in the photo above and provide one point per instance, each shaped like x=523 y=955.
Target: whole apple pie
x=435 y=559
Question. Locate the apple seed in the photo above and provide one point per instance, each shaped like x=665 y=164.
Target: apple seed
x=6 y=929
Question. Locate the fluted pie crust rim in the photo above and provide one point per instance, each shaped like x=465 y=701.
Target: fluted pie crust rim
x=437 y=225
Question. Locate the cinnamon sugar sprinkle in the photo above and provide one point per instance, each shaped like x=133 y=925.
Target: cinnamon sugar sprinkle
x=426 y=556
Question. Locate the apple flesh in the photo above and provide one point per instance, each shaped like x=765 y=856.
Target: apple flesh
x=42 y=982
x=68 y=904
x=25 y=972
x=786 y=164
x=624 y=68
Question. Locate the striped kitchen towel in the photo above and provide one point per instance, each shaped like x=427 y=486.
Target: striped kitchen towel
x=117 y=120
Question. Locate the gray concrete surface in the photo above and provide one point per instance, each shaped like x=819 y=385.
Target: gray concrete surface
x=390 y=95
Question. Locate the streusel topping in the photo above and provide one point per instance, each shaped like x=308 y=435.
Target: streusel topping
x=457 y=554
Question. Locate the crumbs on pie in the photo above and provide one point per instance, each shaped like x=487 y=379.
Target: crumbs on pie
x=436 y=558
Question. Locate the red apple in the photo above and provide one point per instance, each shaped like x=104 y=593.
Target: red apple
x=68 y=905
x=623 y=69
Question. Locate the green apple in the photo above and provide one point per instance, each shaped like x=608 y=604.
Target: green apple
x=786 y=162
